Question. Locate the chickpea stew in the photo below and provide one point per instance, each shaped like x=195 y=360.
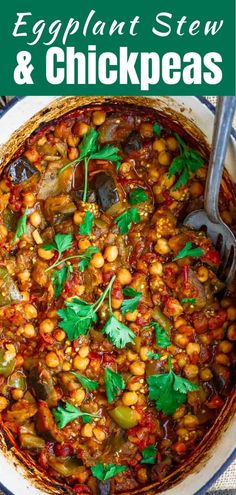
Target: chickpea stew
x=116 y=344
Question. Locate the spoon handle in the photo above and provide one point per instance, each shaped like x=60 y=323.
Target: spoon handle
x=222 y=127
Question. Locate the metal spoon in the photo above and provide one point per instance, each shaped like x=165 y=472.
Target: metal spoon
x=209 y=218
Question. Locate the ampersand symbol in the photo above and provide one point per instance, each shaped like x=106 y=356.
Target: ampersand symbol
x=23 y=69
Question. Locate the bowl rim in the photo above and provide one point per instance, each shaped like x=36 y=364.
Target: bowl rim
x=203 y=100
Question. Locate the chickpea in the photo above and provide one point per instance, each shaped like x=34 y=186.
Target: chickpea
x=131 y=355
x=87 y=430
x=116 y=303
x=164 y=158
x=81 y=128
x=78 y=396
x=17 y=394
x=98 y=117
x=73 y=153
x=80 y=363
x=191 y=371
x=66 y=366
x=99 y=434
x=206 y=374
x=4 y=187
x=146 y=130
x=182 y=433
x=156 y=268
x=97 y=260
x=159 y=145
x=180 y=322
x=29 y=200
x=52 y=360
x=202 y=274
x=78 y=217
x=172 y=143
x=225 y=346
x=162 y=246
x=25 y=295
x=196 y=189
x=24 y=276
x=231 y=332
x=134 y=385
x=84 y=351
x=142 y=475
x=193 y=348
x=222 y=359
x=137 y=368
x=129 y=398
x=153 y=173
x=182 y=359
x=131 y=316
x=117 y=314
x=190 y=421
x=3 y=232
x=72 y=140
x=59 y=335
x=35 y=218
x=143 y=353
x=231 y=313
x=179 y=413
x=125 y=168
x=3 y=403
x=29 y=331
x=205 y=338
x=111 y=253
x=46 y=326
x=45 y=255
x=124 y=276
x=181 y=340
x=226 y=302
x=30 y=311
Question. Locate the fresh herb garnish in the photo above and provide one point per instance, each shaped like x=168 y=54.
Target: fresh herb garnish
x=86 y=226
x=149 y=455
x=153 y=355
x=90 y=149
x=114 y=383
x=21 y=227
x=137 y=196
x=129 y=305
x=61 y=243
x=86 y=382
x=78 y=315
x=157 y=129
x=162 y=339
x=67 y=413
x=188 y=162
x=190 y=300
x=105 y=472
x=118 y=333
x=188 y=250
x=59 y=277
x=86 y=257
x=125 y=220
x=169 y=390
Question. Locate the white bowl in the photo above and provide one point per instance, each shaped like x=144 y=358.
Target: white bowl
x=13 y=480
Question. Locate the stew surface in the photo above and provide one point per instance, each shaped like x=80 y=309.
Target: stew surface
x=116 y=344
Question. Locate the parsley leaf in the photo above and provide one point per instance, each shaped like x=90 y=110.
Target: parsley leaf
x=190 y=300
x=67 y=413
x=137 y=196
x=129 y=305
x=88 y=144
x=86 y=382
x=61 y=243
x=109 y=153
x=86 y=226
x=21 y=227
x=86 y=257
x=149 y=455
x=157 y=129
x=125 y=220
x=118 y=333
x=188 y=162
x=153 y=355
x=169 y=390
x=188 y=250
x=59 y=278
x=162 y=339
x=114 y=383
x=102 y=472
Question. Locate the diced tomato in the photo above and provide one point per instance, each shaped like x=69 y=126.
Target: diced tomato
x=218 y=320
x=117 y=290
x=82 y=490
x=107 y=276
x=63 y=449
x=179 y=447
x=200 y=322
x=215 y=403
x=212 y=256
x=95 y=356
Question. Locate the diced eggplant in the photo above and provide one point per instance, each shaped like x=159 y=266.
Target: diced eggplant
x=221 y=378
x=21 y=170
x=29 y=441
x=132 y=143
x=104 y=487
x=58 y=208
x=41 y=382
x=45 y=424
x=10 y=219
x=78 y=196
x=106 y=190
x=9 y=292
x=115 y=129
x=66 y=467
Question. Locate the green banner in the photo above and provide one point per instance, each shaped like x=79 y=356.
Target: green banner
x=115 y=48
